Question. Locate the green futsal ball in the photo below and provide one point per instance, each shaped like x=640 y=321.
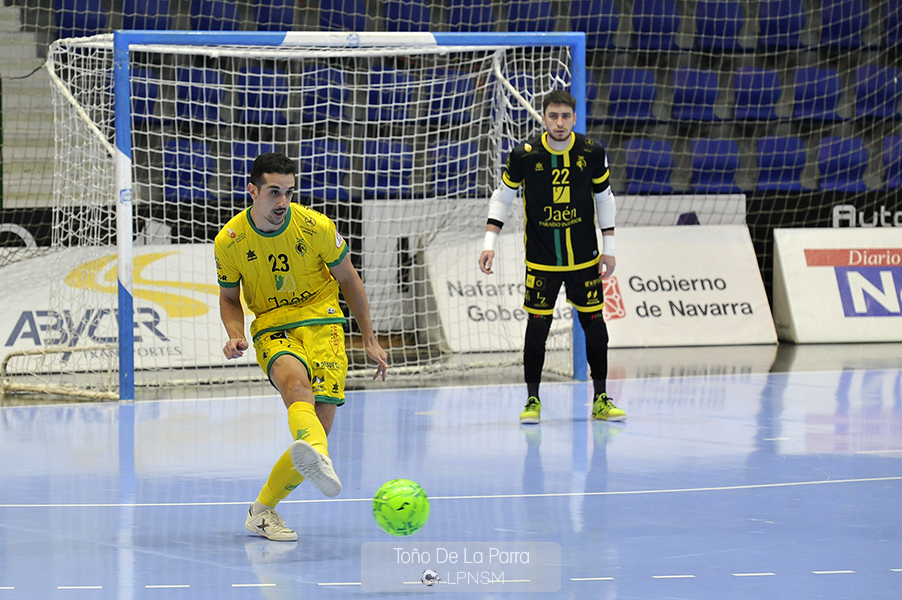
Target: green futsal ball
x=400 y=507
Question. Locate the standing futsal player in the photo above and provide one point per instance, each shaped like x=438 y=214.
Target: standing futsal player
x=566 y=186
x=290 y=262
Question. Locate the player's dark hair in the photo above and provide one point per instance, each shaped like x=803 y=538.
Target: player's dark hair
x=271 y=162
x=559 y=97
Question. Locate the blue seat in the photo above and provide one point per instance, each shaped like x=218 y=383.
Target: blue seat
x=389 y=94
x=649 y=165
x=632 y=94
x=757 y=92
x=322 y=170
x=817 y=93
x=389 y=168
x=470 y=15
x=695 y=93
x=877 y=92
x=342 y=15
x=842 y=23
x=243 y=155
x=714 y=166
x=262 y=95
x=198 y=94
x=146 y=14
x=451 y=96
x=598 y=19
x=529 y=15
x=145 y=94
x=892 y=22
x=274 y=15
x=187 y=168
x=456 y=166
x=780 y=163
x=214 y=15
x=717 y=25
x=325 y=94
x=655 y=24
x=407 y=15
x=842 y=162
x=79 y=18
x=780 y=24
x=892 y=161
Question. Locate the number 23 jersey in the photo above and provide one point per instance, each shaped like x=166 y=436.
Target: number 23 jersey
x=559 y=199
x=284 y=273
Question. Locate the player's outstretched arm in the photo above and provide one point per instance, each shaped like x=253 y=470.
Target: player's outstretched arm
x=232 y=315
x=355 y=295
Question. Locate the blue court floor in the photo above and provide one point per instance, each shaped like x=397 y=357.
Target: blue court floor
x=783 y=485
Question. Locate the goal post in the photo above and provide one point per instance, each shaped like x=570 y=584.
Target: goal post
x=410 y=184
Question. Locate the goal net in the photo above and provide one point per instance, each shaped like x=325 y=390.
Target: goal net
x=400 y=139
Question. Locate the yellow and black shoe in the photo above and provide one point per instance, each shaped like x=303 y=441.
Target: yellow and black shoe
x=532 y=413
x=603 y=409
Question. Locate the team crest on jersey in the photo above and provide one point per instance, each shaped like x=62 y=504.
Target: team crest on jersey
x=581 y=162
x=231 y=233
x=527 y=147
x=301 y=248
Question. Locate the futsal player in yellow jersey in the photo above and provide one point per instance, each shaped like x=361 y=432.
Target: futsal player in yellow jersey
x=290 y=262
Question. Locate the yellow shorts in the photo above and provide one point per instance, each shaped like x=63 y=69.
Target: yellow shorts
x=321 y=348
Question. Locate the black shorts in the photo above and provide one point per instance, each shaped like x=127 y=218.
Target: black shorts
x=584 y=290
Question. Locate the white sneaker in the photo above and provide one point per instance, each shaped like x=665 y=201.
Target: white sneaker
x=315 y=466
x=269 y=524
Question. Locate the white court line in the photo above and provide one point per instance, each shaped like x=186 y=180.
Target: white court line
x=166 y=586
x=725 y=488
x=249 y=585
x=673 y=576
x=341 y=583
x=878 y=451
x=79 y=587
x=591 y=579
x=754 y=574
x=896 y=570
x=833 y=572
x=7 y=587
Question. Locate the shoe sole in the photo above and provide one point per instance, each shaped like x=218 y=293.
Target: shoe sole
x=308 y=462
x=530 y=421
x=610 y=420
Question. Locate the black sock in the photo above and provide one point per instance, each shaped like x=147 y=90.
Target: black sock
x=532 y=389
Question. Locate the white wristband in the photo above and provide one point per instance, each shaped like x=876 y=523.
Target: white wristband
x=489 y=243
x=607 y=245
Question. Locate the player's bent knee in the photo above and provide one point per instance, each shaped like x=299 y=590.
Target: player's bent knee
x=595 y=328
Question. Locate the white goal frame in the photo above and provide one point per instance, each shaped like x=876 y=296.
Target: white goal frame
x=124 y=42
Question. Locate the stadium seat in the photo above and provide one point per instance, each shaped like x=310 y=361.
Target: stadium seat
x=407 y=15
x=214 y=15
x=780 y=163
x=451 y=96
x=529 y=15
x=342 y=15
x=145 y=93
x=274 y=15
x=243 y=155
x=655 y=24
x=649 y=164
x=389 y=94
x=456 y=167
x=717 y=25
x=877 y=92
x=146 y=14
x=262 y=94
x=322 y=170
x=79 y=18
x=780 y=24
x=892 y=23
x=842 y=162
x=817 y=93
x=187 y=167
x=388 y=167
x=842 y=23
x=695 y=93
x=470 y=15
x=714 y=166
x=198 y=93
x=757 y=92
x=325 y=95
x=632 y=94
x=892 y=161
x=598 y=19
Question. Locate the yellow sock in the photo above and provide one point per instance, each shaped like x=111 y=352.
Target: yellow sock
x=305 y=425
x=282 y=481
